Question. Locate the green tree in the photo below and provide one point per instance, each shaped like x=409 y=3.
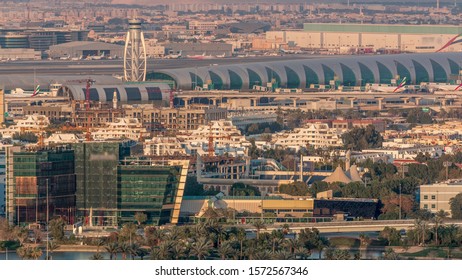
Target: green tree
x=390 y=235
x=127 y=233
x=360 y=138
x=112 y=249
x=419 y=117
x=26 y=137
x=456 y=206
x=201 y=248
x=241 y=189
x=259 y=225
x=97 y=256
x=57 y=228
x=192 y=187
x=140 y=218
x=295 y=189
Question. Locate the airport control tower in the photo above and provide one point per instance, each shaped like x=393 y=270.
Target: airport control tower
x=135 y=53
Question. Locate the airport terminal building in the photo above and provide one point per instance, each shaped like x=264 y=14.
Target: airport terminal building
x=309 y=73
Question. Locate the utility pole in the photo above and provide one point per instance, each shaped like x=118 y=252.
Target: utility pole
x=447 y=164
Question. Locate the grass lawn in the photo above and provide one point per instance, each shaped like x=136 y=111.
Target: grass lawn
x=349 y=242
x=432 y=252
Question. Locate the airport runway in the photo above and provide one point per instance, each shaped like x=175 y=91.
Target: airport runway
x=110 y=67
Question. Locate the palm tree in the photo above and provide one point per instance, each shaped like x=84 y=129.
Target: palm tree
x=174 y=233
x=179 y=250
x=52 y=246
x=97 y=256
x=250 y=252
x=364 y=239
x=277 y=236
x=259 y=225
x=225 y=250
x=302 y=253
x=99 y=242
x=201 y=248
x=293 y=244
x=23 y=252
x=124 y=248
x=112 y=249
x=282 y=255
x=35 y=253
x=22 y=235
x=134 y=249
x=262 y=255
x=321 y=244
x=221 y=234
x=286 y=228
x=142 y=252
x=240 y=236
x=438 y=220
x=162 y=252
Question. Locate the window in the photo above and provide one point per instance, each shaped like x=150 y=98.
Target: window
x=433 y=206
x=425 y=196
x=433 y=197
x=425 y=206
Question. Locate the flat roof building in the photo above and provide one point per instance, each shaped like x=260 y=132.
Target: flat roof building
x=85 y=49
x=436 y=197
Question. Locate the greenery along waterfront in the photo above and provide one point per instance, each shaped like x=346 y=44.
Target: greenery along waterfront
x=433 y=236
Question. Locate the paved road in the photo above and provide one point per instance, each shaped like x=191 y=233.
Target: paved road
x=109 y=67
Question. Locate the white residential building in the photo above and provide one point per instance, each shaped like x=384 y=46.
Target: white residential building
x=60 y=138
x=163 y=146
x=222 y=133
x=32 y=123
x=317 y=135
x=407 y=153
x=123 y=128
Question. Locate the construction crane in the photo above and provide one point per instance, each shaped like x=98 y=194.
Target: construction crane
x=88 y=82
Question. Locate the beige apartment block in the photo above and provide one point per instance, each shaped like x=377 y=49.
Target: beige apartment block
x=436 y=197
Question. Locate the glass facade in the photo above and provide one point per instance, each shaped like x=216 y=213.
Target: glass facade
x=384 y=73
x=293 y=81
x=148 y=189
x=349 y=78
x=329 y=74
x=421 y=74
x=196 y=81
x=455 y=68
x=366 y=74
x=403 y=72
x=272 y=75
x=216 y=80
x=33 y=173
x=310 y=76
x=254 y=78
x=96 y=171
x=439 y=74
x=235 y=81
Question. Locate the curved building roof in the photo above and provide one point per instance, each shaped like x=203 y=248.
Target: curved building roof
x=30 y=81
x=302 y=73
x=126 y=93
